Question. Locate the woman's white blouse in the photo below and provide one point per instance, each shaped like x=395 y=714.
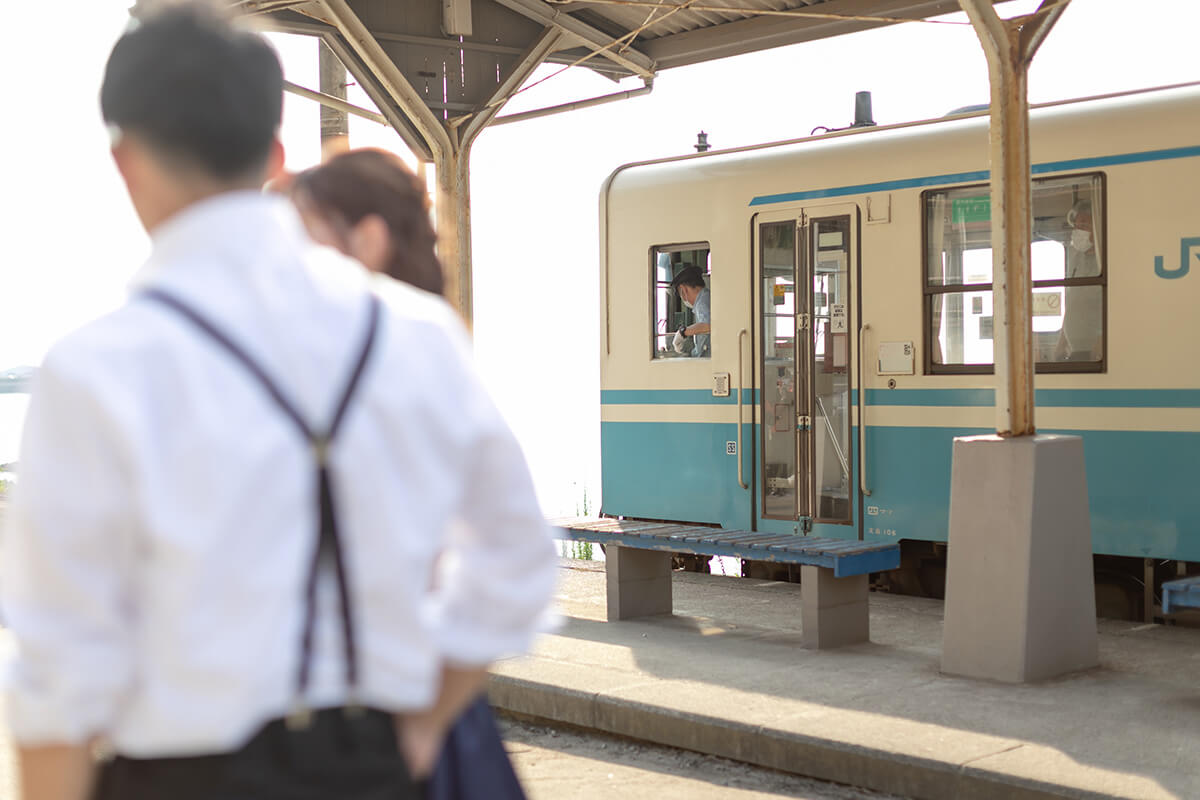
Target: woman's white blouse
x=157 y=543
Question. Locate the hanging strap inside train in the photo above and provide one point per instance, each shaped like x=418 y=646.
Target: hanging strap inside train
x=328 y=549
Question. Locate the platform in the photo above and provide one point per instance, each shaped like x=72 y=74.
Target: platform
x=726 y=676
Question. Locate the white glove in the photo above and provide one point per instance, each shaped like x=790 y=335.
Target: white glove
x=677 y=343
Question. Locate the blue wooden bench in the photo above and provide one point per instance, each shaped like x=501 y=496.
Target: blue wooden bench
x=1182 y=593
x=833 y=578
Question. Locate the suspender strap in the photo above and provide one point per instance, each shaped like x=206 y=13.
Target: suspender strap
x=329 y=545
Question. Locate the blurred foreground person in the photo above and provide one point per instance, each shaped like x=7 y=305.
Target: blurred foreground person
x=220 y=562
x=368 y=205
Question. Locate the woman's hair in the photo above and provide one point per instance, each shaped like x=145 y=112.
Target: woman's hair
x=356 y=184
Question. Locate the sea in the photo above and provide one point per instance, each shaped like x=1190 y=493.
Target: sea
x=12 y=417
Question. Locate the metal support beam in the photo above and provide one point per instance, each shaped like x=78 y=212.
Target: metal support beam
x=1009 y=50
x=379 y=95
x=333 y=102
x=511 y=83
x=629 y=58
x=453 y=203
x=454 y=178
x=447 y=144
x=373 y=56
x=588 y=103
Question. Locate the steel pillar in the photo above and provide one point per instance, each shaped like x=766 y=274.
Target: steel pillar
x=453 y=206
x=1020 y=597
x=1009 y=46
x=335 y=122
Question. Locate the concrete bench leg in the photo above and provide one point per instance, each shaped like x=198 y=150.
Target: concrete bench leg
x=639 y=582
x=834 y=610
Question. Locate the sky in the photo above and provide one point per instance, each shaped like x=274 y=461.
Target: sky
x=71 y=241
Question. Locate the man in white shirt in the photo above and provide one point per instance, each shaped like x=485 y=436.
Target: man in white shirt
x=161 y=568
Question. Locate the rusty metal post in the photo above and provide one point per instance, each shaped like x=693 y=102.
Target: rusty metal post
x=1012 y=222
x=1009 y=46
x=453 y=210
x=335 y=123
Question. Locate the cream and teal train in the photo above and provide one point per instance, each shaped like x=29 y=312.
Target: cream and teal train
x=864 y=214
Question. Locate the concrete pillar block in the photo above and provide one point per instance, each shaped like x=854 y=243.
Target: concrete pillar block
x=639 y=582
x=1020 y=593
x=833 y=610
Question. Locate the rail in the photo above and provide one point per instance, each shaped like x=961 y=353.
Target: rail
x=741 y=477
x=862 y=416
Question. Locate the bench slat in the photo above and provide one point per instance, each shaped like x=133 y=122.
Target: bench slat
x=714 y=535
x=845 y=557
x=677 y=532
x=841 y=548
x=767 y=542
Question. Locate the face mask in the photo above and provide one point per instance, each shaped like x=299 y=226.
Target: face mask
x=1081 y=240
x=686 y=303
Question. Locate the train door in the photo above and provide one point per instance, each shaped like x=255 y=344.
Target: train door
x=804 y=305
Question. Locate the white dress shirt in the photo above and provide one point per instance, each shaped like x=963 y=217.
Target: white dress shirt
x=157 y=544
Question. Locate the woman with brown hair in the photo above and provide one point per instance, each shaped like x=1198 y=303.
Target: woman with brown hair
x=369 y=205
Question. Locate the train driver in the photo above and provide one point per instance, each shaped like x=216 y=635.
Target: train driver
x=1082 y=325
x=689 y=284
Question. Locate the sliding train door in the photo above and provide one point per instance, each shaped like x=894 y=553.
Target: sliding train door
x=804 y=304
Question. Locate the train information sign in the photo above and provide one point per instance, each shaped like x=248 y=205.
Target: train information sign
x=970 y=209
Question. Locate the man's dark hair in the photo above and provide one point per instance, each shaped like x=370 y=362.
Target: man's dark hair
x=200 y=92
x=688 y=276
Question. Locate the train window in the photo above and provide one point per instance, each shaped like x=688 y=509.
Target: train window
x=1069 y=280
x=680 y=301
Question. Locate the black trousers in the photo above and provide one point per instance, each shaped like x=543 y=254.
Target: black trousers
x=342 y=755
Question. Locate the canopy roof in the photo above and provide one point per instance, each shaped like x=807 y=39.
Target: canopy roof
x=462 y=57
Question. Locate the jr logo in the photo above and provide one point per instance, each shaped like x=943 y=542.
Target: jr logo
x=1189 y=248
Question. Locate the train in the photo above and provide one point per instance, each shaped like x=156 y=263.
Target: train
x=847 y=330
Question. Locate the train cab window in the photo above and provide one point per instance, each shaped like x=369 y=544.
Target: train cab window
x=1069 y=279
x=681 y=303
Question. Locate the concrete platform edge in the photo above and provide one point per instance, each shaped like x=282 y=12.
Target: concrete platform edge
x=869 y=768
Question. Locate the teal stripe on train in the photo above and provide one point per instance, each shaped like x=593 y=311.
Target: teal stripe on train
x=977 y=176
x=679 y=397
x=1141 y=485
x=1046 y=398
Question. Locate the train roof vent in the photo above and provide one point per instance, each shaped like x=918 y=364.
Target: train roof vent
x=969 y=110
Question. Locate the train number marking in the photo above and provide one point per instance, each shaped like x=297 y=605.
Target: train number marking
x=731 y=448
x=1186 y=252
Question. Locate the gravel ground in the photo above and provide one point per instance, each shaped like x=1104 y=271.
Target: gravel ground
x=562 y=764
x=571 y=764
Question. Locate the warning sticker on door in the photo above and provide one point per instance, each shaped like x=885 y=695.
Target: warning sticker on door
x=837 y=319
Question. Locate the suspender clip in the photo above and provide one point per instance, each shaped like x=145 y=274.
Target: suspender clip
x=320 y=449
x=299 y=718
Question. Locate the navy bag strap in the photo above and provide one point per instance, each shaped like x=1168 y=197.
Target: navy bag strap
x=329 y=545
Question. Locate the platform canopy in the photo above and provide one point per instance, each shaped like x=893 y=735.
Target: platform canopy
x=441 y=70
x=459 y=56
